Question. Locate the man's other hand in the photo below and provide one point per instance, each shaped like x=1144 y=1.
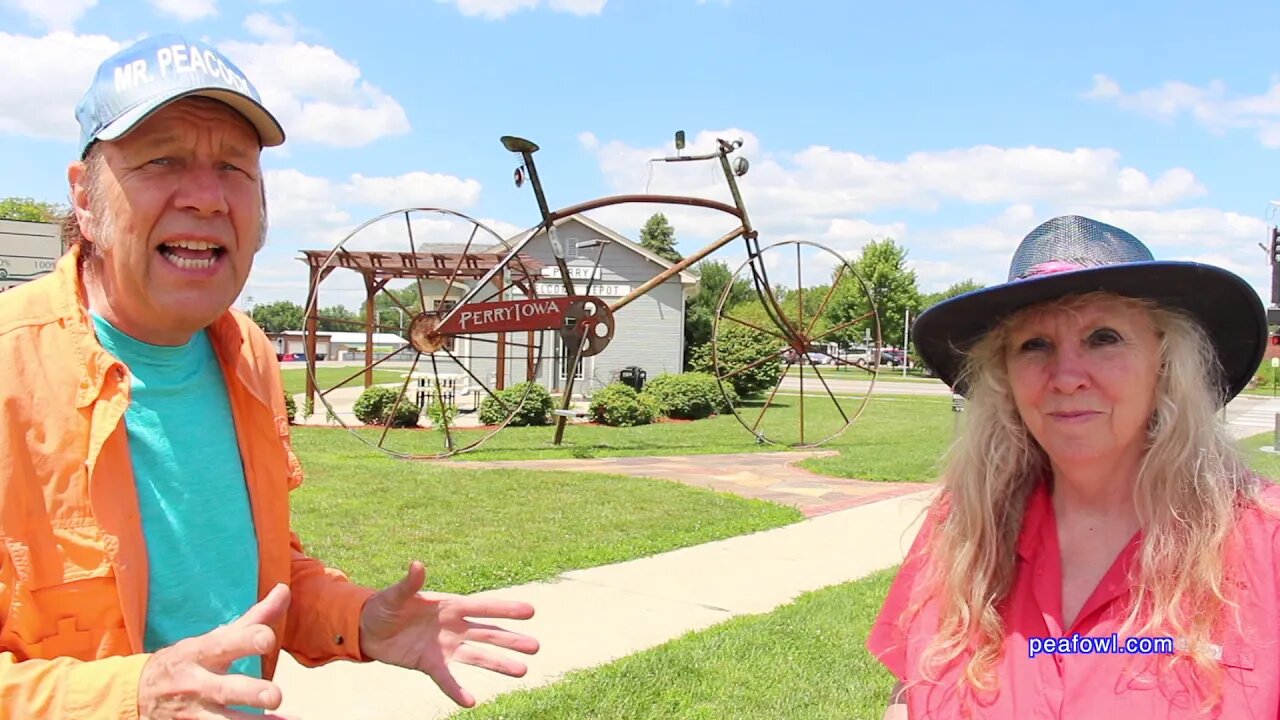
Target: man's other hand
x=189 y=680
x=425 y=631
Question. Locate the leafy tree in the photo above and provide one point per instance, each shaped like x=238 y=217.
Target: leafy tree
x=24 y=208
x=330 y=315
x=959 y=288
x=388 y=313
x=657 y=236
x=883 y=267
x=700 y=310
x=805 y=319
x=278 y=316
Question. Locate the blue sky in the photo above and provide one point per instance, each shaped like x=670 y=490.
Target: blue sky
x=954 y=130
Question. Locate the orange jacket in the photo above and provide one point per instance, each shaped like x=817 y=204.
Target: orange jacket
x=73 y=562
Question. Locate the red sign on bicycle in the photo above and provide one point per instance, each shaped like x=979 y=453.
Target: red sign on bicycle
x=507 y=316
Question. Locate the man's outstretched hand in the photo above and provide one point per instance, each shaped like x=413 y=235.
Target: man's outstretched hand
x=401 y=625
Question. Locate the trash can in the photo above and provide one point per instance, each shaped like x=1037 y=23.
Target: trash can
x=633 y=376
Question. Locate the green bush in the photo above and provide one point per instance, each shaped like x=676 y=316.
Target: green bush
x=432 y=411
x=687 y=396
x=536 y=409
x=738 y=347
x=375 y=403
x=290 y=407
x=620 y=405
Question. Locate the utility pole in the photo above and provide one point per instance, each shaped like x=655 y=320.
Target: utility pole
x=1273 y=257
x=906 y=331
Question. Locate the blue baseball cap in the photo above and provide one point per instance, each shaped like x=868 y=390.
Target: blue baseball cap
x=155 y=71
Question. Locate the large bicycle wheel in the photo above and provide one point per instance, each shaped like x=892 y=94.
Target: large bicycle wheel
x=445 y=393
x=780 y=356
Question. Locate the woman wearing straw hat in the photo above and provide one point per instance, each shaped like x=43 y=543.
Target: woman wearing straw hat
x=1099 y=548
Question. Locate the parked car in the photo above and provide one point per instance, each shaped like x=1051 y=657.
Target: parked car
x=894 y=358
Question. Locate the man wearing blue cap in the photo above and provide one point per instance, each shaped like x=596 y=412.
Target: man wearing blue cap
x=147 y=566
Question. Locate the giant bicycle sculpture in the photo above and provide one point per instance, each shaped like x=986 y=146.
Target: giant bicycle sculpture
x=479 y=322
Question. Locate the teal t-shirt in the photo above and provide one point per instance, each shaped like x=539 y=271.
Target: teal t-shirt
x=202 y=550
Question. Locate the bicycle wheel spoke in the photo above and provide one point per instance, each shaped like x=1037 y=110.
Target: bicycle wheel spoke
x=493 y=341
x=479 y=382
x=830 y=394
x=843 y=325
x=830 y=291
x=769 y=401
x=359 y=323
x=444 y=420
x=800 y=316
x=754 y=327
x=391 y=415
x=361 y=371
x=861 y=365
x=755 y=364
x=504 y=288
x=456 y=268
x=806 y=357
x=397 y=301
x=422 y=295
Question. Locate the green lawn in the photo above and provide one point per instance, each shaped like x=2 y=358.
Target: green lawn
x=1264 y=463
x=895 y=438
x=477 y=530
x=804 y=660
x=295 y=379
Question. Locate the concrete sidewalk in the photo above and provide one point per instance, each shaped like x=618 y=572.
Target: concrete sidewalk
x=586 y=618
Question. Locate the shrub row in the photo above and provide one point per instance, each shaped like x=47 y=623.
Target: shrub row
x=686 y=396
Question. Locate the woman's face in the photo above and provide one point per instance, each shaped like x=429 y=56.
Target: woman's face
x=1084 y=379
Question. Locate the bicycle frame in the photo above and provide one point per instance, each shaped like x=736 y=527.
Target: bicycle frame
x=738 y=210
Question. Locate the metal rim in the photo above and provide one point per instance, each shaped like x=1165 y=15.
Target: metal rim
x=791 y=341
x=359 y=431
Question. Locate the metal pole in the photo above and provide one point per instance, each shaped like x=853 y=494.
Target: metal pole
x=906 y=324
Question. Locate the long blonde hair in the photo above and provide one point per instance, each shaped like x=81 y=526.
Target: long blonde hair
x=1191 y=485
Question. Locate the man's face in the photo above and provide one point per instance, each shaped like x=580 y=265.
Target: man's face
x=176 y=218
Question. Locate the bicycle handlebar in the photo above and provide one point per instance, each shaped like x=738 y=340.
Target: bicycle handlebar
x=726 y=147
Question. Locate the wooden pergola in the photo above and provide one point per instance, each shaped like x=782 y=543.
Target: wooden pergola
x=378 y=268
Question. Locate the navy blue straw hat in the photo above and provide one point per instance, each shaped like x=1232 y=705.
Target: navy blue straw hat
x=1073 y=255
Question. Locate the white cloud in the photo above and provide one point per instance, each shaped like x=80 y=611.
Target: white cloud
x=841 y=199
x=1211 y=106
x=298 y=201
x=821 y=180
x=317 y=95
x=262 y=25
x=578 y=7
x=1201 y=234
x=498 y=9
x=186 y=10
x=805 y=194
x=45 y=78
x=54 y=14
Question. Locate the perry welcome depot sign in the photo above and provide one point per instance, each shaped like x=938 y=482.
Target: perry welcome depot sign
x=553 y=285
x=27 y=251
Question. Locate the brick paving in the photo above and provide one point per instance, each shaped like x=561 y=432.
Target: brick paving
x=765 y=476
